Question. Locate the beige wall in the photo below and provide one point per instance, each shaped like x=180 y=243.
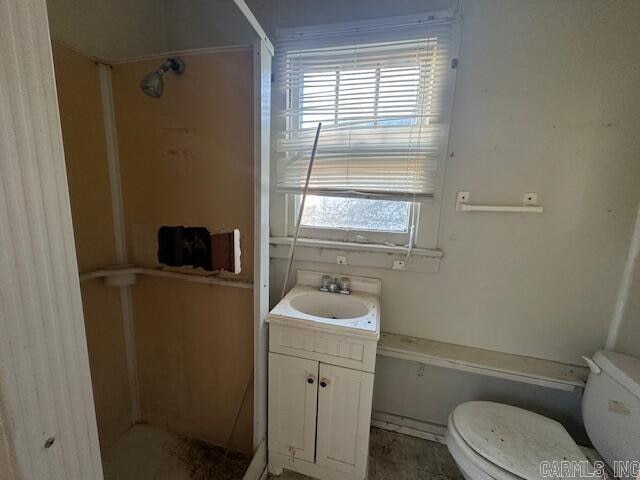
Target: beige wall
x=117 y=29
x=6 y=463
x=88 y=177
x=187 y=159
x=195 y=357
x=109 y=29
x=85 y=148
x=546 y=101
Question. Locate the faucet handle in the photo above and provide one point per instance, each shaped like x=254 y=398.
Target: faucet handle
x=333 y=286
x=345 y=286
x=324 y=283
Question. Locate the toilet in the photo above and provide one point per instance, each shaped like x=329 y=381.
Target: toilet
x=491 y=440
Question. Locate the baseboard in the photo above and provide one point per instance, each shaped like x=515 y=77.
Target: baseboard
x=257 y=469
x=409 y=426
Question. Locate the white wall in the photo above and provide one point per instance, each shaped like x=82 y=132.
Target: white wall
x=110 y=29
x=410 y=390
x=117 y=29
x=274 y=14
x=546 y=101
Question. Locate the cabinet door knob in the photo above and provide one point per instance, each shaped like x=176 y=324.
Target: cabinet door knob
x=310 y=379
x=323 y=383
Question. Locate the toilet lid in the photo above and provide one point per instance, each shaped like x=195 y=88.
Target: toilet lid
x=514 y=439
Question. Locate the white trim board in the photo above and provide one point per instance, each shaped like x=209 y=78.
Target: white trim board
x=117 y=211
x=363 y=247
x=534 y=371
x=47 y=410
x=152 y=56
x=180 y=53
x=625 y=286
x=409 y=426
x=255 y=24
x=113 y=161
x=262 y=58
x=369 y=24
x=258 y=466
x=366 y=255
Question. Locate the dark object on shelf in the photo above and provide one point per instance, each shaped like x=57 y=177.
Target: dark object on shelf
x=179 y=246
x=197 y=247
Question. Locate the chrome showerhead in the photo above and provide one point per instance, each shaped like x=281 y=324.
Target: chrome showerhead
x=153 y=84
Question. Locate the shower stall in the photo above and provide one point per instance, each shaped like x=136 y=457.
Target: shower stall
x=167 y=134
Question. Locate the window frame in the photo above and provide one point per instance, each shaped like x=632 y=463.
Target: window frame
x=425 y=211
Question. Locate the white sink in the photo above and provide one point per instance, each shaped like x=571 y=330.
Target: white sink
x=329 y=305
x=355 y=314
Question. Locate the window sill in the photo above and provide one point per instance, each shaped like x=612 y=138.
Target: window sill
x=422 y=260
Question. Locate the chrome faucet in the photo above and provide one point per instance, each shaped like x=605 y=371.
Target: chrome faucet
x=333 y=285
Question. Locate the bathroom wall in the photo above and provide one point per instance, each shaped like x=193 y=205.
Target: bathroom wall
x=7 y=469
x=629 y=337
x=411 y=390
x=88 y=177
x=187 y=159
x=123 y=29
x=546 y=101
x=109 y=29
x=628 y=340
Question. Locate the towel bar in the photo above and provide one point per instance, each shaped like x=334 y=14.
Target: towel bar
x=529 y=205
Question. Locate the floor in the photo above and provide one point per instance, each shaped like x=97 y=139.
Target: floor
x=149 y=453
x=399 y=457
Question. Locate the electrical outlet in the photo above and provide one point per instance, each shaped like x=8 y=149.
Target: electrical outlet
x=341 y=260
x=398 y=265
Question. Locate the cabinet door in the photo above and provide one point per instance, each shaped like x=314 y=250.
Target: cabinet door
x=293 y=399
x=344 y=418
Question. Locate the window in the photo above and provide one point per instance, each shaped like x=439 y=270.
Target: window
x=360 y=214
x=382 y=95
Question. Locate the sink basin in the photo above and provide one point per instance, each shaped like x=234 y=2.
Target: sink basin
x=329 y=305
x=305 y=306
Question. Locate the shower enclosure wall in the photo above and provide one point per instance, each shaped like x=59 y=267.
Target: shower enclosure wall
x=180 y=164
x=173 y=354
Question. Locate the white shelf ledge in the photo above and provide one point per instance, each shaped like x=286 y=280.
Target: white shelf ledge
x=346 y=246
x=534 y=371
x=128 y=271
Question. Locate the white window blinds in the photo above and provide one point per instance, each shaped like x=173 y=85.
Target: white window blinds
x=380 y=92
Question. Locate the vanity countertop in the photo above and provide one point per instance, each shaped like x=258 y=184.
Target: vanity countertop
x=367 y=325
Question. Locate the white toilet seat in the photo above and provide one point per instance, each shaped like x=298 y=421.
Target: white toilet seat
x=490 y=440
x=472 y=465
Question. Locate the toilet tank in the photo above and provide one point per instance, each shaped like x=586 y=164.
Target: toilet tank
x=611 y=409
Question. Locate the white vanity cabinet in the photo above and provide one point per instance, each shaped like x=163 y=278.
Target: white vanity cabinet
x=321 y=372
x=344 y=419
x=321 y=414
x=293 y=405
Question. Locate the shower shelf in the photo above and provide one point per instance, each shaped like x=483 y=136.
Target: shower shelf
x=113 y=274
x=534 y=371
